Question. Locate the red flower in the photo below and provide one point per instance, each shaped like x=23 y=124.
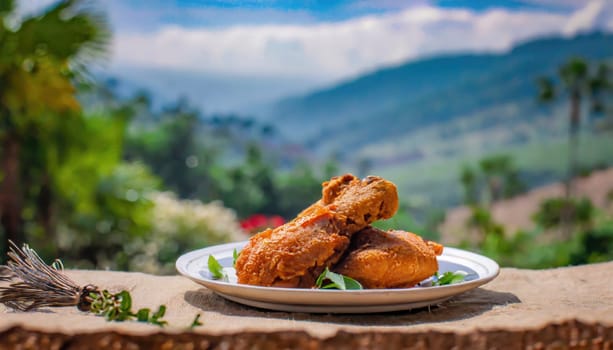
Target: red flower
x=259 y=222
x=276 y=221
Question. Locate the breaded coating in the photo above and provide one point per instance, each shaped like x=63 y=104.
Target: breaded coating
x=294 y=254
x=393 y=259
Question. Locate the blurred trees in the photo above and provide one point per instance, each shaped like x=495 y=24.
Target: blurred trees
x=536 y=249
x=39 y=112
x=220 y=159
x=494 y=179
x=555 y=241
x=578 y=80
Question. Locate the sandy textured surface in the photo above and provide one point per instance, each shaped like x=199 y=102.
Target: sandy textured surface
x=516 y=302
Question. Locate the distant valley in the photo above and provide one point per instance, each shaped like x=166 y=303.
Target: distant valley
x=417 y=123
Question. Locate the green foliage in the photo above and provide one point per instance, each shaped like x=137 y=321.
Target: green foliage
x=215 y=268
x=448 y=277
x=580 y=80
x=403 y=220
x=102 y=225
x=496 y=178
x=39 y=113
x=196 y=322
x=482 y=222
x=249 y=188
x=539 y=249
x=171 y=151
x=299 y=187
x=235 y=255
x=215 y=160
x=118 y=307
x=555 y=212
x=336 y=281
x=468 y=178
x=180 y=226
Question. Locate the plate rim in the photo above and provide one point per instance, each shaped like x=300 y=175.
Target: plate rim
x=491 y=266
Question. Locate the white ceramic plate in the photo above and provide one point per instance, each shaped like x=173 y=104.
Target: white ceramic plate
x=193 y=265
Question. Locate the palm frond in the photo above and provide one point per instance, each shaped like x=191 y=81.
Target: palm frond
x=574 y=73
x=546 y=89
x=6 y=7
x=74 y=31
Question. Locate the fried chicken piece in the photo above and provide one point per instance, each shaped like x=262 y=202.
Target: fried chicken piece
x=294 y=254
x=392 y=259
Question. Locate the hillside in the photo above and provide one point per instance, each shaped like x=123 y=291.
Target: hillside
x=516 y=213
x=430 y=91
x=417 y=123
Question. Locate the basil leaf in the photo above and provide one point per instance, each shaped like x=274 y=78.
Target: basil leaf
x=235 y=255
x=352 y=284
x=142 y=315
x=126 y=301
x=448 y=278
x=337 y=281
x=215 y=268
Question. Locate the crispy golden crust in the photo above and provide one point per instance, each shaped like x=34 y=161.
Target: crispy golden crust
x=393 y=259
x=294 y=254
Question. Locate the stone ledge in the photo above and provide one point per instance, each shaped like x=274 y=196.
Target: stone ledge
x=561 y=308
x=567 y=335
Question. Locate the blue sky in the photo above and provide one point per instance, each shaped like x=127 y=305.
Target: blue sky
x=320 y=42
x=332 y=40
x=198 y=13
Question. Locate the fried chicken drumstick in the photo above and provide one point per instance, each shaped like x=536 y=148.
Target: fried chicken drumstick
x=392 y=259
x=294 y=254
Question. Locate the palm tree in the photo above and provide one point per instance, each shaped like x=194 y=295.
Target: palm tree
x=577 y=83
x=39 y=64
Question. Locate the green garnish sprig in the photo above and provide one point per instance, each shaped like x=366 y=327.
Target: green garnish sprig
x=118 y=307
x=235 y=255
x=216 y=269
x=196 y=322
x=448 y=278
x=336 y=281
x=34 y=284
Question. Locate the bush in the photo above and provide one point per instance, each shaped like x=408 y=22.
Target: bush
x=179 y=226
x=555 y=212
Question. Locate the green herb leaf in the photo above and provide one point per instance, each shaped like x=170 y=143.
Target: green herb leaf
x=235 y=255
x=215 y=268
x=352 y=284
x=142 y=315
x=337 y=281
x=160 y=313
x=448 y=278
x=125 y=300
x=118 y=307
x=196 y=322
x=155 y=318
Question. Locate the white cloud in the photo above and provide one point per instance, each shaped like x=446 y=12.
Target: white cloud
x=594 y=14
x=336 y=50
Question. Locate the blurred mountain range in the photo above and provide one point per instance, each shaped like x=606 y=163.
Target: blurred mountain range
x=394 y=102
x=418 y=123
x=211 y=93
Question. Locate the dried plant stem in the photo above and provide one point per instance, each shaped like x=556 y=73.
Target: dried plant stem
x=5 y=273
x=36 y=284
